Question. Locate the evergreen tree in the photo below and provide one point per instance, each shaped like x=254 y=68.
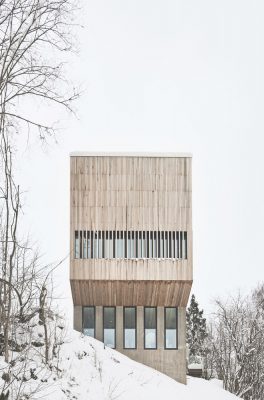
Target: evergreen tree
x=196 y=331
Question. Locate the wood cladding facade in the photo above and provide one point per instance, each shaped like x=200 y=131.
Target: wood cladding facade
x=122 y=193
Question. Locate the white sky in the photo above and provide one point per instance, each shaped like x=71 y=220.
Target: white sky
x=168 y=76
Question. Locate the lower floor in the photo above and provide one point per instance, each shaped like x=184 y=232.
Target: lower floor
x=154 y=336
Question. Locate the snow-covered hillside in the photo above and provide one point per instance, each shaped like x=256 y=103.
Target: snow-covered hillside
x=87 y=371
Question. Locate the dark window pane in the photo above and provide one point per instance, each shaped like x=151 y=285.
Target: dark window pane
x=109 y=317
x=185 y=244
x=150 y=317
x=170 y=318
x=130 y=317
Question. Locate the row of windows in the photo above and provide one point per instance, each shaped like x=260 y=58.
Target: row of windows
x=130 y=244
x=130 y=326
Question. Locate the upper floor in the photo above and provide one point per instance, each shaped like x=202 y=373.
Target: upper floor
x=131 y=216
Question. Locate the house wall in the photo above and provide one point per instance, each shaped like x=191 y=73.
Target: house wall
x=133 y=193
x=169 y=361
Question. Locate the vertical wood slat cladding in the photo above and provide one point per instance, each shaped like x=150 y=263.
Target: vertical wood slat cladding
x=126 y=193
x=131 y=193
x=132 y=269
x=127 y=293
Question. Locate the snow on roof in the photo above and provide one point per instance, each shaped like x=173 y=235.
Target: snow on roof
x=129 y=154
x=195 y=366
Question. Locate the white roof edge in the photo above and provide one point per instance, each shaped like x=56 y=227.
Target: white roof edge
x=129 y=154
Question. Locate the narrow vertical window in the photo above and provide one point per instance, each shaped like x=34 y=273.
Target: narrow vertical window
x=119 y=248
x=177 y=254
x=185 y=245
x=180 y=244
x=155 y=248
x=165 y=235
x=92 y=244
x=109 y=322
x=106 y=247
x=173 y=248
x=143 y=244
x=81 y=244
x=125 y=243
x=170 y=327
x=130 y=333
x=147 y=244
x=84 y=244
x=133 y=253
x=150 y=327
x=95 y=244
x=76 y=245
x=161 y=244
x=128 y=244
x=89 y=245
x=111 y=245
x=139 y=245
x=89 y=321
x=150 y=250
x=170 y=245
x=103 y=244
x=100 y=244
x=136 y=243
x=114 y=243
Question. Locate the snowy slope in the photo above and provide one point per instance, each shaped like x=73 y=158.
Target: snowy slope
x=87 y=371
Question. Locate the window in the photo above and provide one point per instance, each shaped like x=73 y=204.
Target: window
x=119 y=245
x=100 y=245
x=150 y=327
x=170 y=327
x=150 y=242
x=155 y=245
x=89 y=321
x=130 y=244
x=139 y=245
x=130 y=333
x=76 y=245
x=133 y=245
x=89 y=244
x=109 y=323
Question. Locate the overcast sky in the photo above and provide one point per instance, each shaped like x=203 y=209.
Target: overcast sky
x=176 y=76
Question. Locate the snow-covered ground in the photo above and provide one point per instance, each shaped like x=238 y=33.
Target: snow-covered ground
x=87 y=371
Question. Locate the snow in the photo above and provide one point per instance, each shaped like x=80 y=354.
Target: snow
x=88 y=371
x=195 y=366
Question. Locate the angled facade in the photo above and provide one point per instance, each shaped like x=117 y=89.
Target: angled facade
x=131 y=253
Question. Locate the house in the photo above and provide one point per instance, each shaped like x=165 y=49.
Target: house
x=131 y=253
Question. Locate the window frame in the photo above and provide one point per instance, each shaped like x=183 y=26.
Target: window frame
x=94 y=307
x=114 y=307
x=156 y=330
x=177 y=345
x=129 y=348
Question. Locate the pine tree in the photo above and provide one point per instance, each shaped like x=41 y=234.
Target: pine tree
x=196 y=331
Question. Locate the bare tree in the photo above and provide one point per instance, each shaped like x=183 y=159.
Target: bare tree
x=9 y=217
x=32 y=33
x=237 y=344
x=34 y=37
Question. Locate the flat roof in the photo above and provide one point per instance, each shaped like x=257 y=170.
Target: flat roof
x=129 y=154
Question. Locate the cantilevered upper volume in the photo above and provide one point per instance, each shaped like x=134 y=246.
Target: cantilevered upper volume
x=131 y=253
